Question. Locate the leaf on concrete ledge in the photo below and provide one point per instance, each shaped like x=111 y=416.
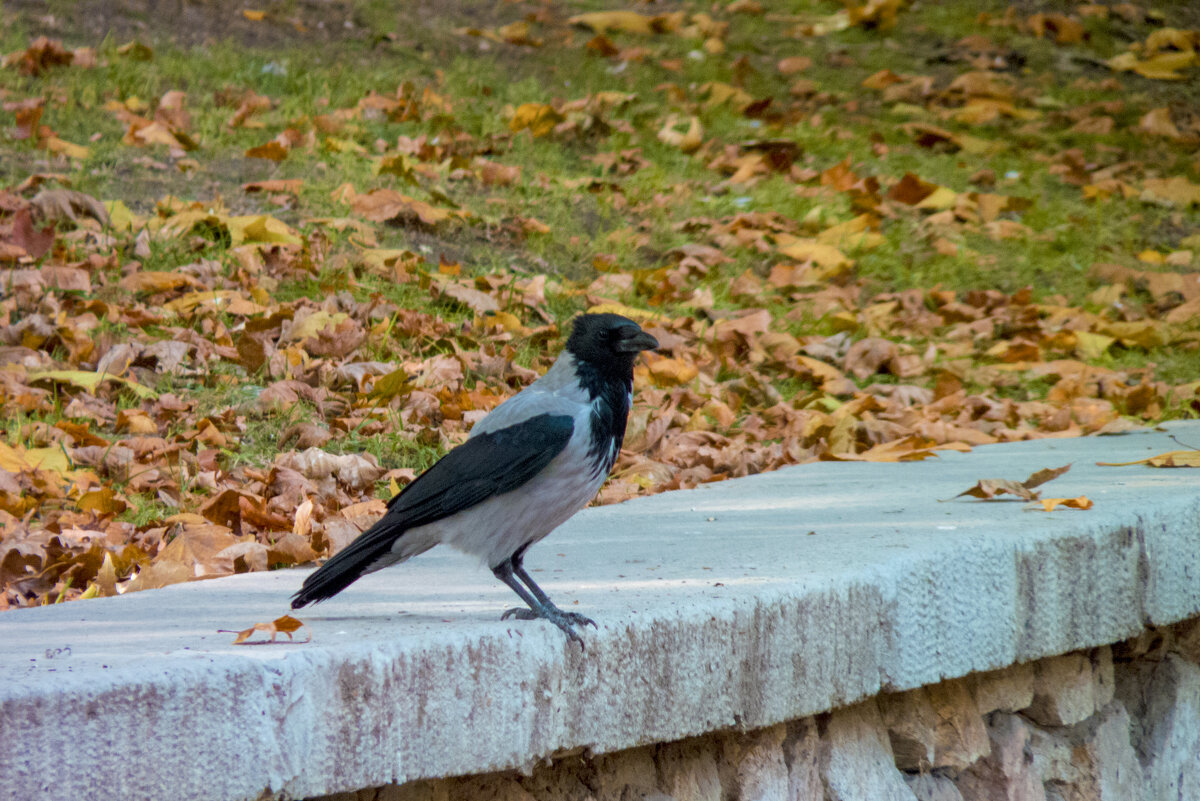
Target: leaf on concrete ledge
x=1050 y=504
x=281 y=625
x=989 y=488
x=1169 y=459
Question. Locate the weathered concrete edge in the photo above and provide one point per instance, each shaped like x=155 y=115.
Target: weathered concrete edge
x=790 y=652
x=322 y=723
x=467 y=699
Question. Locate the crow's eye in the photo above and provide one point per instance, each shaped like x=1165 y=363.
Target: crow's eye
x=604 y=334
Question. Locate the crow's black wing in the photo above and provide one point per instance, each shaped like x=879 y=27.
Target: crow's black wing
x=483 y=466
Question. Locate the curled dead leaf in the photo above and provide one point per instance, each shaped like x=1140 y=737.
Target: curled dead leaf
x=989 y=488
x=281 y=625
x=688 y=141
x=1050 y=504
x=1169 y=459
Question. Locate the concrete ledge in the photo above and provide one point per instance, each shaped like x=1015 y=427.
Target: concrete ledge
x=717 y=608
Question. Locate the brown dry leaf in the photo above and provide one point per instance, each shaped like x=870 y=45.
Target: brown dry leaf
x=68 y=204
x=306 y=435
x=912 y=448
x=382 y=205
x=1161 y=67
x=271 y=151
x=136 y=421
x=625 y=21
x=224 y=509
x=42 y=54
x=29 y=240
x=356 y=472
x=1169 y=459
x=688 y=141
x=867 y=356
x=1175 y=191
x=90 y=381
x=494 y=174
x=103 y=501
x=539 y=118
x=290 y=186
x=1158 y=122
x=793 y=64
x=303 y=521
x=805 y=250
x=158 y=281
x=1082 y=502
x=669 y=372
x=911 y=190
x=291 y=548
x=1066 y=30
x=475 y=299
x=160 y=573
x=989 y=488
x=281 y=625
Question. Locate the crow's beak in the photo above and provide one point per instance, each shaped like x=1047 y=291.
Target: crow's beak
x=636 y=343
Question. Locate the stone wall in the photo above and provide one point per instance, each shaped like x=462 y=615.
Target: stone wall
x=1116 y=723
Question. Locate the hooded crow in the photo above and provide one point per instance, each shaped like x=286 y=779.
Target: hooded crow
x=531 y=463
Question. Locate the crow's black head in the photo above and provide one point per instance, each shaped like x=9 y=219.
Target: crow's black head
x=608 y=341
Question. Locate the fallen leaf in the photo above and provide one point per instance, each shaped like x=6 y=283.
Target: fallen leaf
x=281 y=625
x=688 y=141
x=1175 y=191
x=1158 y=122
x=1050 y=504
x=539 y=118
x=91 y=381
x=1169 y=459
x=604 y=21
x=989 y=488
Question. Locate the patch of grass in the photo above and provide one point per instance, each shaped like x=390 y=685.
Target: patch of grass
x=145 y=509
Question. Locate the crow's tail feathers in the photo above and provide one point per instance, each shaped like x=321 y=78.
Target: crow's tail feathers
x=368 y=553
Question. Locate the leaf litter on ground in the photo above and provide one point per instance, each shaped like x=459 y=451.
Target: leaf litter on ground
x=300 y=299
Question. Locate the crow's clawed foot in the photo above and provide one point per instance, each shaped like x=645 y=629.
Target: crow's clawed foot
x=567 y=621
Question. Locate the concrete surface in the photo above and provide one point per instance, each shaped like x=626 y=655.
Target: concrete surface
x=742 y=603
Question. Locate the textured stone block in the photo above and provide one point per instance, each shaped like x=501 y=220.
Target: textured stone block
x=802 y=754
x=856 y=758
x=1007 y=773
x=625 y=774
x=1009 y=689
x=687 y=770
x=934 y=727
x=1091 y=761
x=752 y=765
x=960 y=737
x=1186 y=640
x=911 y=722
x=1163 y=699
x=1070 y=688
x=932 y=787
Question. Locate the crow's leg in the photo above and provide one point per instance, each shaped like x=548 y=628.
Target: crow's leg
x=518 y=566
x=540 y=606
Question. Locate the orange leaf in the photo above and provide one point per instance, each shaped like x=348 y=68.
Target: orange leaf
x=672 y=372
x=281 y=625
x=539 y=118
x=271 y=150
x=1082 y=502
